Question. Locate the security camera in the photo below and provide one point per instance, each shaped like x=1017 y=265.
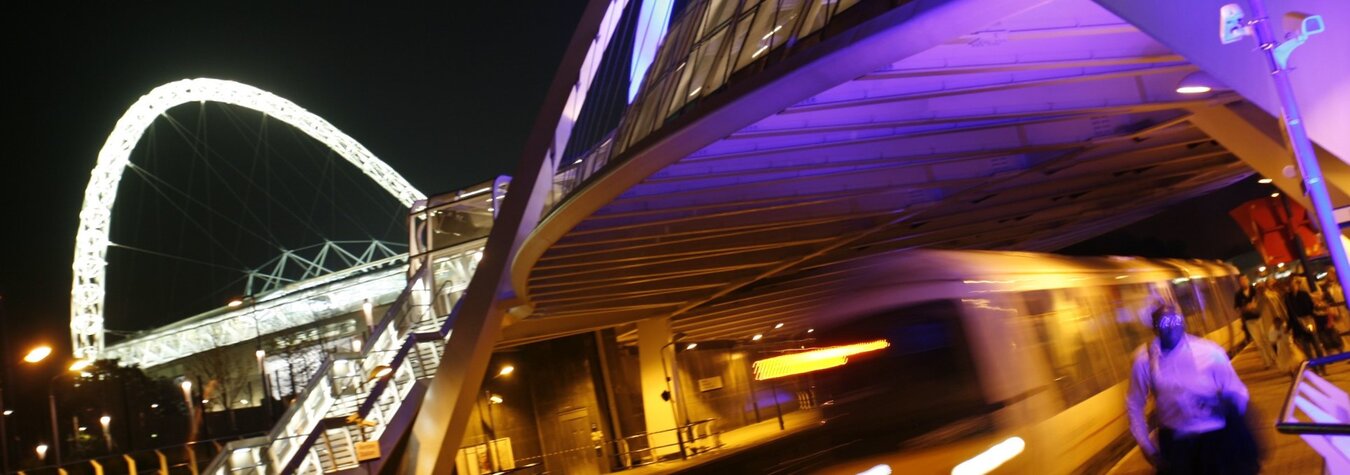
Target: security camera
x=1232 y=26
x=1305 y=24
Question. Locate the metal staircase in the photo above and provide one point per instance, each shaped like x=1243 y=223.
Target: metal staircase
x=357 y=395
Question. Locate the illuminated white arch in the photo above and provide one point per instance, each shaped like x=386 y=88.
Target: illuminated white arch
x=91 y=241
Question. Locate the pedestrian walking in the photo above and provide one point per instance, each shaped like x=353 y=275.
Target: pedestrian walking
x=1199 y=400
x=1302 y=311
x=1287 y=356
x=1247 y=302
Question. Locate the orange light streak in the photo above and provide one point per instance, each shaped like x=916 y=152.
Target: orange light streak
x=812 y=360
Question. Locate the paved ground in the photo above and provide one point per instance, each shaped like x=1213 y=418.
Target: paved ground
x=1284 y=454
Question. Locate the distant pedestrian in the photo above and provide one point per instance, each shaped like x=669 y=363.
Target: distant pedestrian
x=1271 y=303
x=1339 y=317
x=1287 y=356
x=1302 y=311
x=1199 y=401
x=1247 y=300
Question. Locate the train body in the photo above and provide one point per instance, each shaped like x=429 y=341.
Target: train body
x=990 y=352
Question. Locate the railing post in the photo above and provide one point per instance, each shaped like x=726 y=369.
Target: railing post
x=163 y=462
x=98 y=467
x=192 y=459
x=131 y=464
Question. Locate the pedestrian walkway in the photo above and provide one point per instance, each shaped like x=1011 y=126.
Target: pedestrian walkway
x=1284 y=454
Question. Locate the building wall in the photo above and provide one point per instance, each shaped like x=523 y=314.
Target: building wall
x=563 y=378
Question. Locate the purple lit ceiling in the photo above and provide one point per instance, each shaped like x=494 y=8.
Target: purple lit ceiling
x=1035 y=131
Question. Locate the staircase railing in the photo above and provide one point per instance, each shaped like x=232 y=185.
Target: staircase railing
x=356 y=395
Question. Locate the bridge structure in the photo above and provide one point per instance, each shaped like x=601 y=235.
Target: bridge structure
x=762 y=145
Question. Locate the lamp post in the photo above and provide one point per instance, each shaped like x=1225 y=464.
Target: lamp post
x=492 y=399
x=76 y=367
x=493 y=457
x=191 y=412
x=1234 y=26
x=262 y=375
x=107 y=440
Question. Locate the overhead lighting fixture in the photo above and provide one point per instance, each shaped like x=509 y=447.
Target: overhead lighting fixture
x=777 y=326
x=756 y=337
x=810 y=330
x=1265 y=181
x=80 y=365
x=1198 y=82
x=1275 y=195
x=691 y=346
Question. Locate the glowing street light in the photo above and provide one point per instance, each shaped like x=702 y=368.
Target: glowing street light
x=506 y=370
x=80 y=365
x=41 y=450
x=37 y=354
x=369 y=310
x=104 y=421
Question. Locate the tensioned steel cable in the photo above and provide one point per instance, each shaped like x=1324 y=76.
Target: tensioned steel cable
x=190 y=220
x=306 y=144
x=203 y=157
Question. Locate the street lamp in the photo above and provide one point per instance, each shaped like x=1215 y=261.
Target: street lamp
x=191 y=412
x=37 y=354
x=41 y=450
x=1235 y=25
x=104 y=421
x=493 y=399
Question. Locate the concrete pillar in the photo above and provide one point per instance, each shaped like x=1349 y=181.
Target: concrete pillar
x=654 y=366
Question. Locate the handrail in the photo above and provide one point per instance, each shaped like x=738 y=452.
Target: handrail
x=390 y=320
x=402 y=319
x=291 y=459
x=1287 y=424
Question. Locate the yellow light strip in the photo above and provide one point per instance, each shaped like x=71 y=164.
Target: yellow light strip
x=812 y=360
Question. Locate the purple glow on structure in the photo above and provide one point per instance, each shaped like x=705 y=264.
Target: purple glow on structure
x=653 y=20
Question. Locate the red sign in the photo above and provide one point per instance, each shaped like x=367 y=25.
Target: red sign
x=1271 y=223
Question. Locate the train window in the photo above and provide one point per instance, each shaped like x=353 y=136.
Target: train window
x=1226 y=287
x=1134 y=307
x=1073 y=348
x=1190 y=306
x=1217 y=306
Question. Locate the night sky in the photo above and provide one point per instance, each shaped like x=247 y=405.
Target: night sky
x=444 y=92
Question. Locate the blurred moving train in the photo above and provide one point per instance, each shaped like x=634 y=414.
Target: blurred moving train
x=1011 y=360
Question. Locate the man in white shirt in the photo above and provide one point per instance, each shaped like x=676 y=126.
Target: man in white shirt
x=1193 y=386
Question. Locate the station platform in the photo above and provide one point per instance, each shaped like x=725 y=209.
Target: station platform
x=1283 y=454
